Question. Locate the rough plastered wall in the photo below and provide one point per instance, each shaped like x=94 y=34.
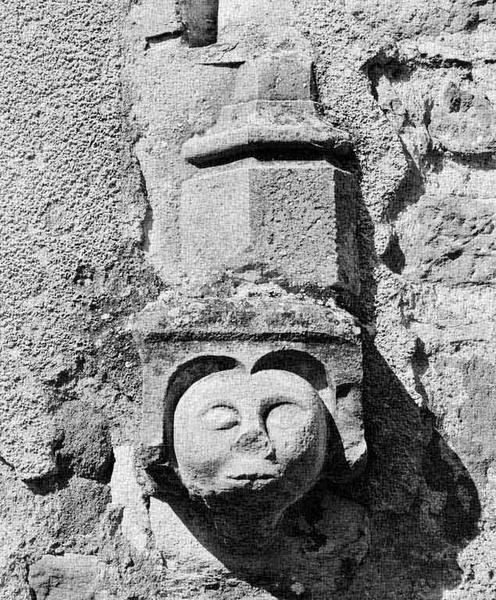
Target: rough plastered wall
x=71 y=272
x=87 y=118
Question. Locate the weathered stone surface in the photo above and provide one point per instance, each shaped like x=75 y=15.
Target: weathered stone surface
x=450 y=240
x=69 y=577
x=83 y=445
x=422 y=17
x=245 y=21
x=126 y=492
x=339 y=539
x=271 y=217
x=246 y=314
x=70 y=218
x=82 y=504
x=463 y=121
x=155 y=18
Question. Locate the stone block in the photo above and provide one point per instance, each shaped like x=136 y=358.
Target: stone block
x=449 y=240
x=237 y=16
x=463 y=120
x=281 y=76
x=155 y=18
x=68 y=577
x=293 y=221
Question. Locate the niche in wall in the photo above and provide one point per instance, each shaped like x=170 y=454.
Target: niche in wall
x=200 y=20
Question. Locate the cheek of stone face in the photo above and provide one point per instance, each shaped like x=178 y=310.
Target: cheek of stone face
x=299 y=437
x=202 y=445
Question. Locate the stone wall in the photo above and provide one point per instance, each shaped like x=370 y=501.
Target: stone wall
x=97 y=101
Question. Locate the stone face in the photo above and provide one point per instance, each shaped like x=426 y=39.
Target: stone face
x=249 y=446
x=69 y=577
x=263 y=436
x=272 y=217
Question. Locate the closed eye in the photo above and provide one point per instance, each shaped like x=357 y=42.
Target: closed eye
x=220 y=417
x=283 y=415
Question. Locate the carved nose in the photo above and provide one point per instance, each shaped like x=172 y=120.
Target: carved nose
x=254 y=442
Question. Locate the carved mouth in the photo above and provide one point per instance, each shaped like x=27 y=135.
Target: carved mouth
x=250 y=471
x=251 y=476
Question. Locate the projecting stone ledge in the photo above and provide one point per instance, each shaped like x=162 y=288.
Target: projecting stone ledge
x=273 y=316
x=272 y=108
x=263 y=125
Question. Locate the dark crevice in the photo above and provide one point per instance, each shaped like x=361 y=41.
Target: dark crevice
x=147 y=224
x=215 y=336
x=454 y=254
x=294 y=361
x=394 y=257
x=420 y=364
x=152 y=40
x=344 y=389
x=485 y=161
x=436 y=62
x=282 y=152
x=50 y=484
x=222 y=65
x=31 y=592
x=7 y=464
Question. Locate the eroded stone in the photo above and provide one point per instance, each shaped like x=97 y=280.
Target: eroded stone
x=463 y=120
x=450 y=239
x=68 y=577
x=272 y=108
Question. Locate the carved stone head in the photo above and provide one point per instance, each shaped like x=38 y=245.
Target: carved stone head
x=236 y=431
x=259 y=438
